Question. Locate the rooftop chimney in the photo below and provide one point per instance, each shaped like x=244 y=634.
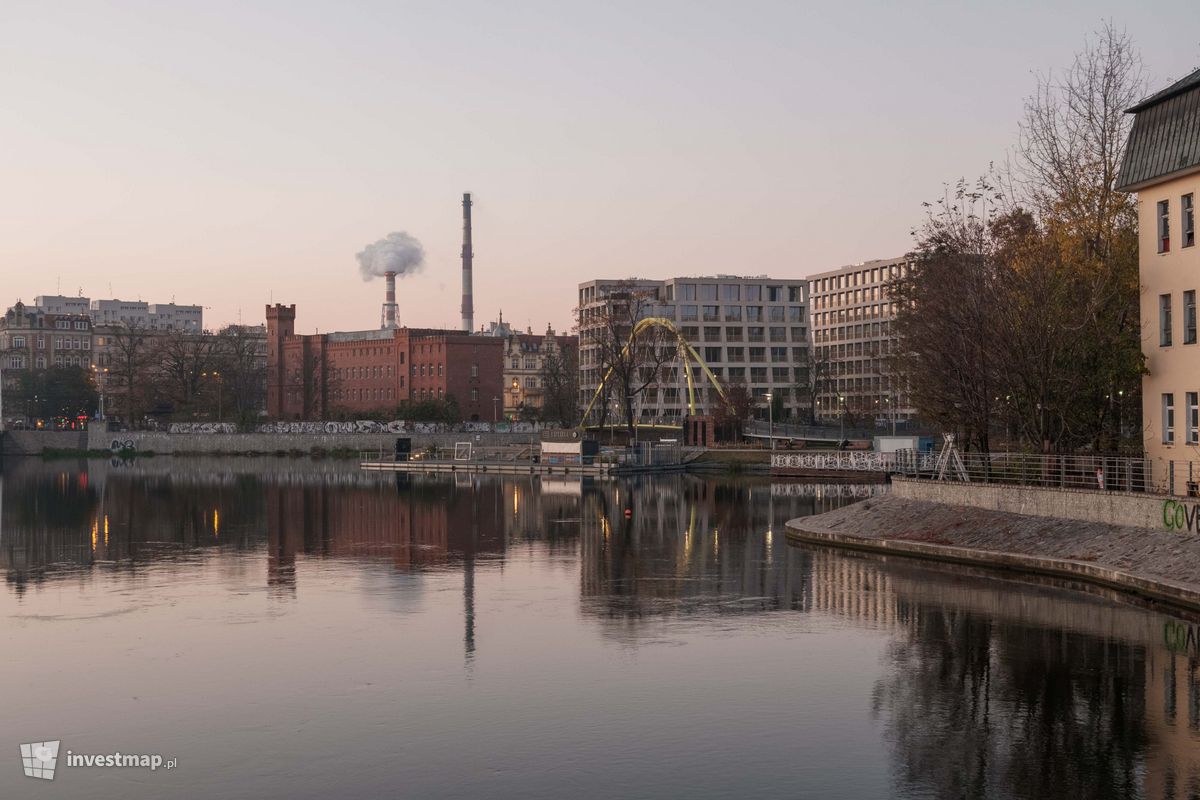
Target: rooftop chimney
x=468 y=306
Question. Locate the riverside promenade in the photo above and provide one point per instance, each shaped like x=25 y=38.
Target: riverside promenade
x=1160 y=564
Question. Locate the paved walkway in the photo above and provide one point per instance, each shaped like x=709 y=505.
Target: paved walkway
x=1136 y=559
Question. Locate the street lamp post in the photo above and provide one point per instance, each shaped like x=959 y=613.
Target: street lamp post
x=101 y=374
x=841 y=420
x=771 y=419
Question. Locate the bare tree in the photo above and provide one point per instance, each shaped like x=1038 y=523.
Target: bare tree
x=127 y=382
x=241 y=359
x=560 y=385
x=814 y=378
x=632 y=365
x=180 y=363
x=947 y=315
x=1072 y=142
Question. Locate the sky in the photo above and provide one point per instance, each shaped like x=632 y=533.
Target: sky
x=233 y=154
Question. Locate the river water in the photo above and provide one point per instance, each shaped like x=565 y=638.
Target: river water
x=300 y=629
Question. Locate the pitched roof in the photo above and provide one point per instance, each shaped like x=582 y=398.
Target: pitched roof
x=1165 y=138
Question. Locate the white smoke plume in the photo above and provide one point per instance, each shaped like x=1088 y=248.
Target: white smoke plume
x=398 y=253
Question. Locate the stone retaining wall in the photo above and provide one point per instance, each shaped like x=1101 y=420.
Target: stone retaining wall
x=25 y=443
x=170 y=443
x=33 y=443
x=1133 y=509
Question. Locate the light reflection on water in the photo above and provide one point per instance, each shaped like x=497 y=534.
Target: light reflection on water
x=300 y=629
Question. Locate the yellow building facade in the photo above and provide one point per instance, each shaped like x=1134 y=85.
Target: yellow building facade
x=1162 y=165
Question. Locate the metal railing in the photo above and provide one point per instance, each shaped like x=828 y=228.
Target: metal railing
x=1050 y=471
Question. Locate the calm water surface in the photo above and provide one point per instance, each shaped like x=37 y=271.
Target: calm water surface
x=299 y=629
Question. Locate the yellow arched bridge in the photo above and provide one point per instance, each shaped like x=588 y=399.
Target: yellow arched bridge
x=686 y=353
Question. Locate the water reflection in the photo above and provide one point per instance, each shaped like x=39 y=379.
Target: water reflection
x=982 y=687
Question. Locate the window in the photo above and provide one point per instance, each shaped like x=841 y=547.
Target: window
x=1164 y=226
x=1189 y=220
x=1193 y=417
x=1168 y=418
x=733 y=313
x=474 y=370
x=708 y=291
x=688 y=313
x=774 y=294
x=795 y=294
x=1189 y=317
x=754 y=314
x=687 y=291
x=712 y=355
x=712 y=313
x=1164 y=320
x=754 y=294
x=712 y=333
x=18 y=341
x=730 y=291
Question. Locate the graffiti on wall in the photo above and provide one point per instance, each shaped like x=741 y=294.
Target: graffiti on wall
x=1180 y=637
x=357 y=426
x=1178 y=516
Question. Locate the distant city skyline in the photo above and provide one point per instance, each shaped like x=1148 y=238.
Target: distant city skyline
x=234 y=156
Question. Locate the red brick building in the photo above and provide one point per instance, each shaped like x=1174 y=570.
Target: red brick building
x=313 y=377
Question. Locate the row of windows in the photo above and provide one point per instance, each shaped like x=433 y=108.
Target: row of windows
x=1187 y=229
x=874 y=311
x=362 y=373
x=733 y=292
x=862 y=277
x=713 y=355
x=1192 y=418
x=857 y=296
x=19 y=362
x=1166 y=334
x=689 y=313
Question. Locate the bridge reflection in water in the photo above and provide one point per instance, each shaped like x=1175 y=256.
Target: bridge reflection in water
x=989 y=686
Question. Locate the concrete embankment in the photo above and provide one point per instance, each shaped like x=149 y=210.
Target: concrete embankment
x=1161 y=565
x=38 y=442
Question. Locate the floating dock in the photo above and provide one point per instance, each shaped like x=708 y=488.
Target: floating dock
x=491 y=467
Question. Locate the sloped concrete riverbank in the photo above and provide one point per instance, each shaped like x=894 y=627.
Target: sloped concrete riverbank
x=1156 y=564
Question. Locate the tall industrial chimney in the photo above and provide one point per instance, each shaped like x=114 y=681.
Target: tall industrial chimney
x=468 y=306
x=389 y=301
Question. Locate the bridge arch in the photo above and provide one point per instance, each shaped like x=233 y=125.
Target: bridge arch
x=685 y=352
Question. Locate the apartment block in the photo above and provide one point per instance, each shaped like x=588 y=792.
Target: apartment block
x=853 y=339
x=747 y=330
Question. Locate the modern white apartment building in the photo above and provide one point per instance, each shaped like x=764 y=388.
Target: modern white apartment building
x=1162 y=164
x=149 y=316
x=747 y=330
x=853 y=338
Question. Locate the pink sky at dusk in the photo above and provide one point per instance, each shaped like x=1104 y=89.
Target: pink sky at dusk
x=230 y=154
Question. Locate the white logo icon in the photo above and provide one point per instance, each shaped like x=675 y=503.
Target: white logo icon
x=39 y=759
